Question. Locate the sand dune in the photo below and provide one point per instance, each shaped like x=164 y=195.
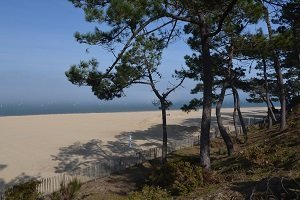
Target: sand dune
x=42 y=145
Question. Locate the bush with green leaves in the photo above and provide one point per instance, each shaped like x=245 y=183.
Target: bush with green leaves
x=67 y=192
x=149 y=193
x=23 y=191
x=178 y=177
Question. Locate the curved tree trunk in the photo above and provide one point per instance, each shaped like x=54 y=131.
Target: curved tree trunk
x=207 y=101
x=278 y=72
x=234 y=116
x=222 y=129
x=271 y=115
x=165 y=134
x=273 y=107
x=236 y=94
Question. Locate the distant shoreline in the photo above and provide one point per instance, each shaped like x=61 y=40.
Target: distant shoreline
x=123 y=109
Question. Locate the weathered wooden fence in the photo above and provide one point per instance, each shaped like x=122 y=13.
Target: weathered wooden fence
x=105 y=168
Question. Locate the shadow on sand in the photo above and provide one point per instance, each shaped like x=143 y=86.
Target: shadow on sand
x=80 y=155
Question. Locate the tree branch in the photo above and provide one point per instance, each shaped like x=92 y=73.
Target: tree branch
x=174 y=88
x=141 y=82
x=170 y=35
x=126 y=46
x=223 y=17
x=159 y=27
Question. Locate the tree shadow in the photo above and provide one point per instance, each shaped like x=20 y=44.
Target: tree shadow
x=227 y=118
x=153 y=135
x=2 y=166
x=80 y=155
x=269 y=188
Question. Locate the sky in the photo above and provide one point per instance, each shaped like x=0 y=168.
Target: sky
x=37 y=47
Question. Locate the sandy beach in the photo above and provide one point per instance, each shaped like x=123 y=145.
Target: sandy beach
x=43 y=145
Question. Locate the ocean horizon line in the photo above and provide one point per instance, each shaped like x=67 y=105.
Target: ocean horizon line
x=29 y=109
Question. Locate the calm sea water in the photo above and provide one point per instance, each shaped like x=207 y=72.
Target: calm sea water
x=65 y=108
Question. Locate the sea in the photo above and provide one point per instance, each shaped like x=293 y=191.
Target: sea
x=20 y=109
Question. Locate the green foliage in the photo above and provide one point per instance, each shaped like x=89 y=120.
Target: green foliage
x=67 y=192
x=194 y=104
x=24 y=191
x=177 y=177
x=149 y=193
x=134 y=67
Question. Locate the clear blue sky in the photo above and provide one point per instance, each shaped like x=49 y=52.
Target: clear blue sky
x=37 y=46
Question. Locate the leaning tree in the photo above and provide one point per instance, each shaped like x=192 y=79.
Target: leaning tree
x=121 y=22
x=139 y=65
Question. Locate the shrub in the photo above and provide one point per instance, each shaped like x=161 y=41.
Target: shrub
x=256 y=155
x=67 y=192
x=178 y=177
x=149 y=193
x=24 y=191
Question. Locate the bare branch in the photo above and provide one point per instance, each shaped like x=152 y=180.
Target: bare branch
x=173 y=28
x=141 y=82
x=174 y=88
x=157 y=28
x=223 y=17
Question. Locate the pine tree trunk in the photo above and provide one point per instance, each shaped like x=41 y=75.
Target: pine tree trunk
x=230 y=66
x=234 y=116
x=273 y=107
x=270 y=123
x=236 y=94
x=207 y=100
x=278 y=72
x=271 y=115
x=222 y=129
x=165 y=134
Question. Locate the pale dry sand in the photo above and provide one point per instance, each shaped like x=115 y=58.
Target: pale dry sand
x=43 y=145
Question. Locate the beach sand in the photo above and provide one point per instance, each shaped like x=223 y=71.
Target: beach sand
x=44 y=145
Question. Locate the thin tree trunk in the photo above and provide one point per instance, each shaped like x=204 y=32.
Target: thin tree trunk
x=207 y=100
x=278 y=72
x=165 y=134
x=230 y=66
x=234 y=115
x=270 y=120
x=222 y=129
x=236 y=94
x=271 y=115
x=273 y=107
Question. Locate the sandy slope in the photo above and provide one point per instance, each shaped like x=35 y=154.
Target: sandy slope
x=42 y=145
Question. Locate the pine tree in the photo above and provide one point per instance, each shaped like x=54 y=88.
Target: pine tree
x=139 y=65
x=128 y=19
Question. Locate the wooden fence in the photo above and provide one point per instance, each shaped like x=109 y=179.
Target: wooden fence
x=105 y=168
